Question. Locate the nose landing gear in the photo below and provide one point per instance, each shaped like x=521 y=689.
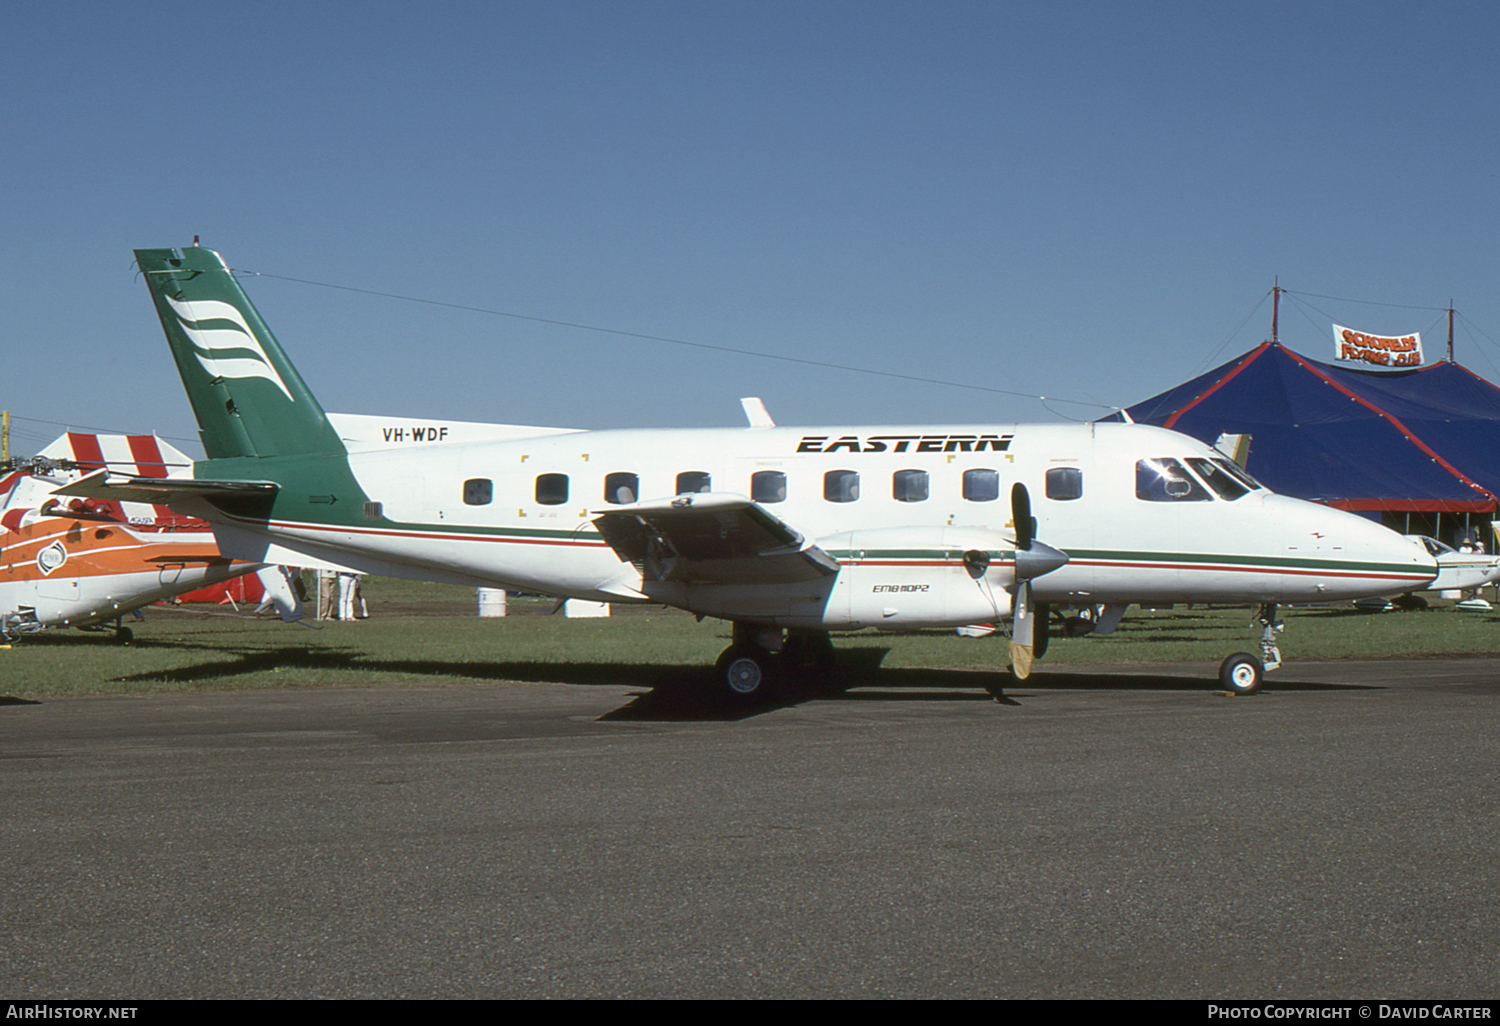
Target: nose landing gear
x=1242 y=673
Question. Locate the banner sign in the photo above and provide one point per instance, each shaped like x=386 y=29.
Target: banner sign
x=1381 y=350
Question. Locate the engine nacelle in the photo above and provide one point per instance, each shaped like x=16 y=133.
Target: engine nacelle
x=918 y=577
x=892 y=578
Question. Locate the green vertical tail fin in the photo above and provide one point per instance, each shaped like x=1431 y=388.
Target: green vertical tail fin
x=247 y=396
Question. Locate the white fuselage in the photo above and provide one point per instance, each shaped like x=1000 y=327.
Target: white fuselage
x=517 y=514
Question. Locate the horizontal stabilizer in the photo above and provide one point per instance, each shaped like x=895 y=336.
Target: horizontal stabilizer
x=165 y=491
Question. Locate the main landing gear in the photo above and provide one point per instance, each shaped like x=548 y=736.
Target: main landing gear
x=760 y=658
x=1242 y=672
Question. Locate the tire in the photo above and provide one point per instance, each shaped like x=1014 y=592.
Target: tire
x=744 y=673
x=1241 y=673
x=808 y=654
x=809 y=663
x=1077 y=627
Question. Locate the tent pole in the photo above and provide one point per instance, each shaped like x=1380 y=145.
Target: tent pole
x=1275 y=305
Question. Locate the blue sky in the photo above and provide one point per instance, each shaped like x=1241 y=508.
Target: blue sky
x=1078 y=200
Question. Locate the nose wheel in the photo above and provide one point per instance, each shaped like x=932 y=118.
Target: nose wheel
x=1242 y=673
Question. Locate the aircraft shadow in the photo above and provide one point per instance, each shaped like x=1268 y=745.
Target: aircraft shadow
x=684 y=691
x=859 y=677
x=673 y=691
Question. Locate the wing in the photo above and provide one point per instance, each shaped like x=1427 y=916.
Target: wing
x=711 y=538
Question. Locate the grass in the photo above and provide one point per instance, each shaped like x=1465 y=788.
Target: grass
x=429 y=634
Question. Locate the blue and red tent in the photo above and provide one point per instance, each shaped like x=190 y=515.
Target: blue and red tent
x=1425 y=440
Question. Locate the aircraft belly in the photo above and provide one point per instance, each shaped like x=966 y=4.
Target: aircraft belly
x=1184 y=577
x=777 y=605
x=81 y=601
x=890 y=598
x=58 y=590
x=574 y=567
x=1164 y=578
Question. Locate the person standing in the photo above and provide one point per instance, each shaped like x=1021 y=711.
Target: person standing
x=351 y=599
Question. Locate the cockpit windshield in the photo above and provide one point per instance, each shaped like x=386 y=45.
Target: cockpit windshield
x=1225 y=485
x=1433 y=546
x=1165 y=480
x=1240 y=474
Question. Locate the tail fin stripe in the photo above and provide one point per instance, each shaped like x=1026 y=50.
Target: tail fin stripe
x=209 y=343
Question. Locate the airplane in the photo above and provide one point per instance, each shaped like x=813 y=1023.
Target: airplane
x=1459 y=571
x=787 y=533
x=85 y=564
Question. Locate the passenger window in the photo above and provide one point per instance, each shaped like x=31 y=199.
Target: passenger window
x=479 y=491
x=1064 y=483
x=909 y=486
x=841 y=485
x=981 y=485
x=552 y=489
x=694 y=481
x=768 y=486
x=1224 y=485
x=1166 y=480
x=621 y=488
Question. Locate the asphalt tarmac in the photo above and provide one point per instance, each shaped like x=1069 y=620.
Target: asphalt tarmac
x=1110 y=833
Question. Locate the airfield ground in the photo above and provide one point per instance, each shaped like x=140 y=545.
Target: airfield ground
x=450 y=818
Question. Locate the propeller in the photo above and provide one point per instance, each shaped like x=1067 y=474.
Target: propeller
x=1033 y=559
x=1020 y=512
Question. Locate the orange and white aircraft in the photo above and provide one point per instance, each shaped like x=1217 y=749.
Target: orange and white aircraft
x=84 y=564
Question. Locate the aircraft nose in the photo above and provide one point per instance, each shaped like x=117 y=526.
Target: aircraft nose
x=1424 y=562
x=1390 y=562
x=1346 y=556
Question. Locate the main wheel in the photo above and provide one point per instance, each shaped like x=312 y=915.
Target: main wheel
x=808 y=652
x=1077 y=626
x=1241 y=673
x=809 y=662
x=744 y=672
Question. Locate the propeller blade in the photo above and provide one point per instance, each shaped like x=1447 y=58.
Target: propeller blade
x=1020 y=512
x=1033 y=559
x=1022 y=633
